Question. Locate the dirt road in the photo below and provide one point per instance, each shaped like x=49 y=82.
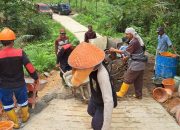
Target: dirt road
x=74 y=27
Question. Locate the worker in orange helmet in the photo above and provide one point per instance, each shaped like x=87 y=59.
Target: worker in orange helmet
x=12 y=80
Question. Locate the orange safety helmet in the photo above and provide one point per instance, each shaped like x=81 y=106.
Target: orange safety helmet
x=7 y=34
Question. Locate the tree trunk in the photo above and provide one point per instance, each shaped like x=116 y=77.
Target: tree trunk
x=81 y=5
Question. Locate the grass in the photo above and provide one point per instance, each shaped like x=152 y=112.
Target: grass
x=41 y=53
x=50 y=1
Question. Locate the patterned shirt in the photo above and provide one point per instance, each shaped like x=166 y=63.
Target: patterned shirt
x=60 y=42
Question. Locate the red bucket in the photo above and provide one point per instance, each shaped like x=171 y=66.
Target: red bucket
x=169 y=83
x=161 y=94
x=6 y=125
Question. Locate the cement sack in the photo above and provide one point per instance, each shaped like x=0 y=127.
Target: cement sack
x=100 y=42
x=114 y=42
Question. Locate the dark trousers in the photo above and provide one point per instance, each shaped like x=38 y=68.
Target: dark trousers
x=96 y=112
x=63 y=64
x=136 y=78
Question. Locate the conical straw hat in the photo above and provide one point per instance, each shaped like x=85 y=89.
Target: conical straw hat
x=86 y=56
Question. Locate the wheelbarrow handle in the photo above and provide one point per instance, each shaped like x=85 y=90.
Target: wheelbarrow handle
x=36 y=84
x=61 y=70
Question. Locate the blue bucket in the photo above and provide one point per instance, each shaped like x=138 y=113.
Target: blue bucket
x=165 y=67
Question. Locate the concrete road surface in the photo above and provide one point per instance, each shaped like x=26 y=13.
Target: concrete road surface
x=70 y=113
x=74 y=27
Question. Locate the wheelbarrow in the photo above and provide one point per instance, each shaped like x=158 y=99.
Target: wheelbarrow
x=84 y=88
x=116 y=68
x=32 y=90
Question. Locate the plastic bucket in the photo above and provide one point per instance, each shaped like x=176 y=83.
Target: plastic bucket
x=178 y=66
x=177 y=81
x=169 y=83
x=168 y=54
x=161 y=94
x=166 y=67
x=6 y=125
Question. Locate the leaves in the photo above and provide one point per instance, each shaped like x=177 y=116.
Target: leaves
x=113 y=16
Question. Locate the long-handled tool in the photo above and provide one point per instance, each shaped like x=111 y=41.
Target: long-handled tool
x=32 y=93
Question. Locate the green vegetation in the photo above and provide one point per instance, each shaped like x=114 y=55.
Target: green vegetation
x=108 y=17
x=111 y=17
x=36 y=33
x=47 y=1
x=21 y=16
x=42 y=52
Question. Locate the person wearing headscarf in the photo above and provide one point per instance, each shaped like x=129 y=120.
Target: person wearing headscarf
x=86 y=61
x=136 y=64
x=136 y=35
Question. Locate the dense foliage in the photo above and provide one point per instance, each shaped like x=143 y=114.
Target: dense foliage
x=42 y=53
x=36 y=33
x=111 y=17
x=21 y=16
x=108 y=17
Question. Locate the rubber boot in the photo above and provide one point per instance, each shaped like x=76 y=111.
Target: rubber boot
x=25 y=114
x=13 y=117
x=123 y=90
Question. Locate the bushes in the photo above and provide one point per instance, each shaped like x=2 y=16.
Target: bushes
x=112 y=17
x=42 y=58
x=20 y=15
x=38 y=27
x=101 y=20
x=41 y=52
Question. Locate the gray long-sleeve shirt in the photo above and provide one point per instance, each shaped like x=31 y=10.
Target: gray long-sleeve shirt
x=106 y=90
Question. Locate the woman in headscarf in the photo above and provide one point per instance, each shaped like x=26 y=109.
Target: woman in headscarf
x=134 y=74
